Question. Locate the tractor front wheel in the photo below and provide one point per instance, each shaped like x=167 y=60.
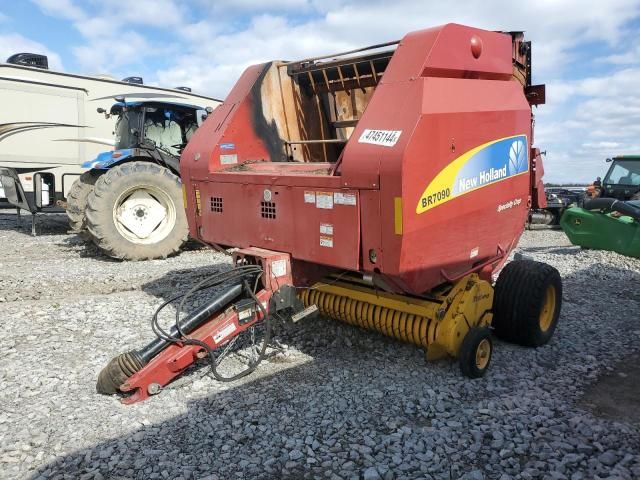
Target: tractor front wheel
x=135 y=212
x=77 y=200
x=527 y=301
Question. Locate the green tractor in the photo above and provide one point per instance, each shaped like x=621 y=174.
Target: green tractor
x=622 y=180
x=610 y=219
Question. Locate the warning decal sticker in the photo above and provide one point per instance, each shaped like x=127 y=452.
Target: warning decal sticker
x=481 y=166
x=228 y=159
x=278 y=268
x=340 y=198
x=224 y=333
x=326 y=241
x=324 y=200
x=309 y=197
x=326 y=228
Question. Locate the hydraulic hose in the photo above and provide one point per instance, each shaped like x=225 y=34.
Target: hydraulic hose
x=243 y=279
x=261 y=355
x=192 y=322
x=614 y=205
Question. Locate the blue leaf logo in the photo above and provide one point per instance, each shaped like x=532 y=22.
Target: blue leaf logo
x=517 y=158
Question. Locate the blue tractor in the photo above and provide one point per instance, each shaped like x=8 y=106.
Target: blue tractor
x=129 y=202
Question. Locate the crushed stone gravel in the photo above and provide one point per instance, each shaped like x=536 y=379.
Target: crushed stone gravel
x=337 y=403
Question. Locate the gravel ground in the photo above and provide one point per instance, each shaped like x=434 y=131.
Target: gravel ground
x=338 y=403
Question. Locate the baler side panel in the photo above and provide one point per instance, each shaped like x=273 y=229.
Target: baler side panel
x=317 y=225
x=230 y=134
x=475 y=224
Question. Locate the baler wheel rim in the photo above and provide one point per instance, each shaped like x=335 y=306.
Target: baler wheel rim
x=475 y=352
x=548 y=308
x=483 y=353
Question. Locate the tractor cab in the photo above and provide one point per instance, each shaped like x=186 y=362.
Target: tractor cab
x=165 y=126
x=156 y=130
x=622 y=180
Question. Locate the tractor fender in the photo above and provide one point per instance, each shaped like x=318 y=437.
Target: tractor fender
x=107 y=160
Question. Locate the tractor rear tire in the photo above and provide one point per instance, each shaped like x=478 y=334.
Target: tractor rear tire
x=77 y=201
x=527 y=301
x=136 y=212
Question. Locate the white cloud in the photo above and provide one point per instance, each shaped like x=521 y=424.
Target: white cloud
x=235 y=7
x=215 y=65
x=556 y=29
x=111 y=29
x=629 y=57
x=600 y=118
x=155 y=13
x=14 y=43
x=65 y=9
x=107 y=54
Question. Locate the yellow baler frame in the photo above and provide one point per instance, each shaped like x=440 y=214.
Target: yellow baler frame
x=437 y=323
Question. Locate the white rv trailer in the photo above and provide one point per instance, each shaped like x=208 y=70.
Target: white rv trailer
x=49 y=122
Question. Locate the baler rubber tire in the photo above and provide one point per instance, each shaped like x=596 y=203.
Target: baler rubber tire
x=467 y=357
x=77 y=202
x=519 y=301
x=101 y=204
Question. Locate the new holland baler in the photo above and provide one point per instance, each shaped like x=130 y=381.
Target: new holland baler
x=383 y=187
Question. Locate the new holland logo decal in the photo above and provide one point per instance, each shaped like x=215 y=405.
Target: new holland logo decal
x=481 y=166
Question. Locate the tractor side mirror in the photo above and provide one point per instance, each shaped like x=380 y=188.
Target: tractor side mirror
x=103 y=111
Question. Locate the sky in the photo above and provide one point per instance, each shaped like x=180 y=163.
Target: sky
x=587 y=52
